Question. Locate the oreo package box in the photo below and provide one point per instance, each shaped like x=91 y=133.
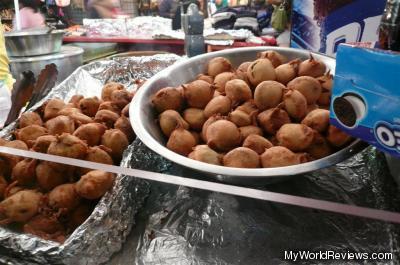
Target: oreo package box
x=366 y=96
x=321 y=25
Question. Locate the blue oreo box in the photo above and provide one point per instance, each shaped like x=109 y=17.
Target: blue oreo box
x=321 y=25
x=366 y=96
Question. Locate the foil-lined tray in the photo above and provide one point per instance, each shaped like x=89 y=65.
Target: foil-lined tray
x=104 y=232
x=180 y=225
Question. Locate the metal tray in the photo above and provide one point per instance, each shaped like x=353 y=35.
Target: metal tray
x=33 y=43
x=104 y=232
x=143 y=118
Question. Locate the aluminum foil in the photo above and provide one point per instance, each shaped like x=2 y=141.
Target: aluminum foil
x=141 y=27
x=183 y=226
x=105 y=27
x=104 y=232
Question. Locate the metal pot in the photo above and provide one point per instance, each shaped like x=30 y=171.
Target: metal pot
x=143 y=118
x=67 y=60
x=33 y=43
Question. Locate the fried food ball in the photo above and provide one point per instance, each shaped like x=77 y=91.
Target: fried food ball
x=20 y=207
x=89 y=106
x=319 y=147
x=30 y=118
x=336 y=137
x=124 y=125
x=168 y=98
x=218 y=65
x=205 y=154
x=245 y=131
x=60 y=124
x=80 y=118
x=42 y=143
x=107 y=117
x=317 y=119
x=64 y=197
x=94 y=184
x=121 y=98
x=18 y=144
x=111 y=106
x=221 y=79
x=223 y=135
x=109 y=88
x=116 y=141
x=260 y=70
x=91 y=133
x=275 y=57
x=278 y=156
x=296 y=137
x=52 y=108
x=181 y=141
x=198 y=93
x=30 y=133
x=69 y=146
x=24 y=171
x=169 y=120
x=50 y=175
x=68 y=111
x=272 y=120
x=8 y=162
x=257 y=143
x=98 y=154
x=75 y=100
x=249 y=107
x=242 y=157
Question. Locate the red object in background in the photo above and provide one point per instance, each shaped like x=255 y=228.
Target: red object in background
x=270 y=41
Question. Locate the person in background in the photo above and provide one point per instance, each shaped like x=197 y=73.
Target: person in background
x=29 y=15
x=221 y=3
x=103 y=8
x=168 y=8
x=61 y=14
x=6 y=80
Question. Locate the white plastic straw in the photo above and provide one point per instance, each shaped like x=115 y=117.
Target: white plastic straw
x=17 y=17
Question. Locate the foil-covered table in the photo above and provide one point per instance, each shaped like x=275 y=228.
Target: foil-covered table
x=178 y=225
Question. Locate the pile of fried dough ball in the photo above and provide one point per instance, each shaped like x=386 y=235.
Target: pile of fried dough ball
x=270 y=112
x=48 y=199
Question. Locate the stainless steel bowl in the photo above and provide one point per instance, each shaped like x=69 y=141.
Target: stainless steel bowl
x=67 y=60
x=33 y=43
x=143 y=119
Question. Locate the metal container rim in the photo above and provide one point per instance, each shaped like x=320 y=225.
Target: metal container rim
x=66 y=51
x=32 y=33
